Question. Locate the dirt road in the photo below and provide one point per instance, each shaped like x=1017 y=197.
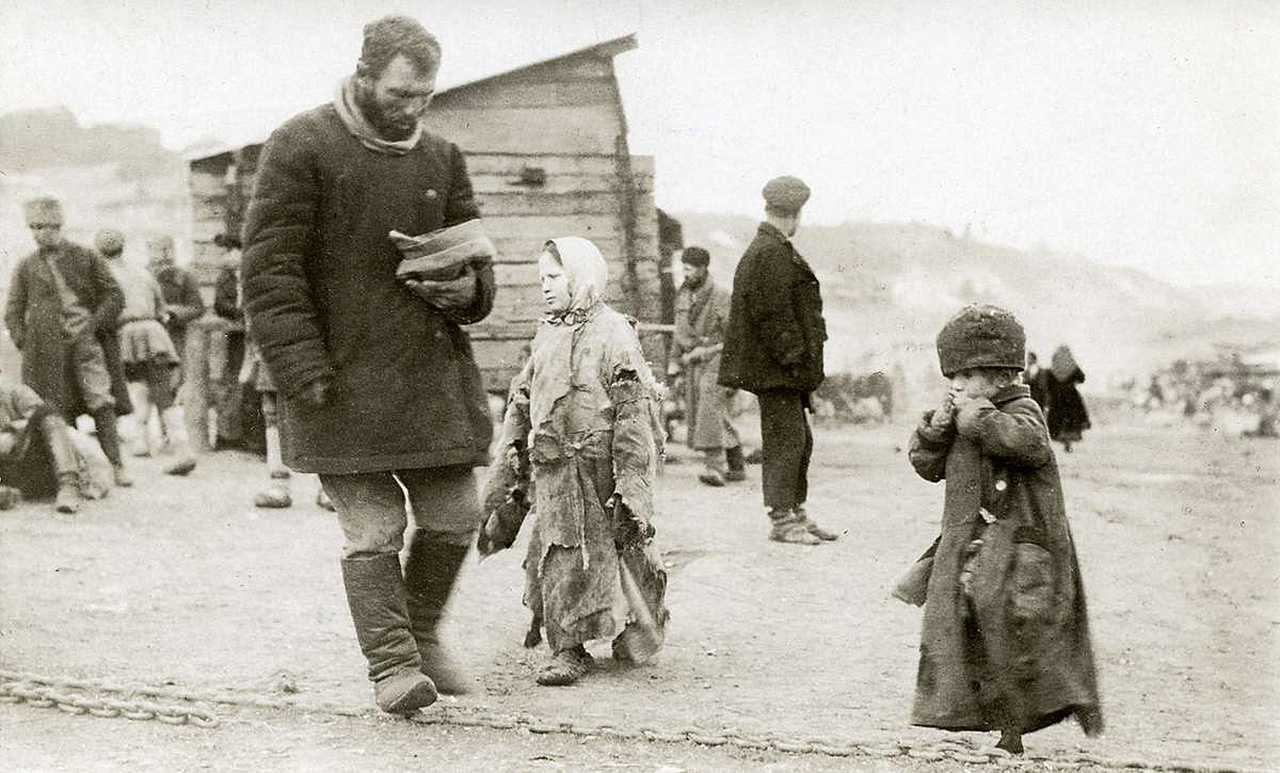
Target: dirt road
x=181 y=582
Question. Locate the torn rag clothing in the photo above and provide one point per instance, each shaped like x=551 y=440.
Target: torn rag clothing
x=581 y=439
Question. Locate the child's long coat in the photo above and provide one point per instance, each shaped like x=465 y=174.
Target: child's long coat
x=1013 y=652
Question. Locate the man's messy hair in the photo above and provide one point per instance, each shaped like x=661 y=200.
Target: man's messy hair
x=392 y=35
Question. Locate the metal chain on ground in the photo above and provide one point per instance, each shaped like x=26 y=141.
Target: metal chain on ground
x=46 y=692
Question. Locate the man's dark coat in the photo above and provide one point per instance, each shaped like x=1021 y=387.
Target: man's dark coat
x=323 y=301
x=776 y=332
x=33 y=315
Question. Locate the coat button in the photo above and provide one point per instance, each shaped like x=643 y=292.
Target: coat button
x=1001 y=485
x=431 y=193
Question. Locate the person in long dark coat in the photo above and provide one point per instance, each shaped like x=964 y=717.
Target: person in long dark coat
x=378 y=381
x=61 y=313
x=773 y=348
x=1005 y=643
x=1068 y=418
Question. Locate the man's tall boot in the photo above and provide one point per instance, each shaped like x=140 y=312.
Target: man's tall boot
x=737 y=464
x=176 y=428
x=376 y=596
x=109 y=438
x=66 y=464
x=429 y=572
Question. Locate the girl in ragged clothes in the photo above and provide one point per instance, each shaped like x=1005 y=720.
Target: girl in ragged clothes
x=580 y=444
x=1005 y=642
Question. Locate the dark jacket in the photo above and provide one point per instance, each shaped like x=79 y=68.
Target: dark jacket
x=34 y=317
x=323 y=301
x=183 y=301
x=1014 y=652
x=1068 y=417
x=776 y=332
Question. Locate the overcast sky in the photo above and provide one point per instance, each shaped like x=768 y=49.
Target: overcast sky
x=1139 y=133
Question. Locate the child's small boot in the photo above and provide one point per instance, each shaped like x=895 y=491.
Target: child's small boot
x=1010 y=741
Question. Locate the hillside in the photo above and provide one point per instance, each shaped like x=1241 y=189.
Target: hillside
x=888 y=287
x=117 y=176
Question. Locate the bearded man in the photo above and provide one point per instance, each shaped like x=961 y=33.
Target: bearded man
x=379 y=386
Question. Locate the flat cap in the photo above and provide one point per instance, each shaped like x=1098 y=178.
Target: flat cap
x=109 y=242
x=786 y=193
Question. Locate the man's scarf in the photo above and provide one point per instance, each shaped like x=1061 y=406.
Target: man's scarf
x=344 y=101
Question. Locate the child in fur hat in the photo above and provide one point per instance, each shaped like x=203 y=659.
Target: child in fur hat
x=1005 y=642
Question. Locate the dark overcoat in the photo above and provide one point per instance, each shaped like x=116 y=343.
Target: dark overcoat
x=1012 y=652
x=323 y=301
x=33 y=315
x=1068 y=417
x=776 y=332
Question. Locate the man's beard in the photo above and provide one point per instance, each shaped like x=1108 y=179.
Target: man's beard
x=694 y=284
x=378 y=119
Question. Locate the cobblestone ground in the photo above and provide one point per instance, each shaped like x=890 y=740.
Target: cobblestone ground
x=181 y=582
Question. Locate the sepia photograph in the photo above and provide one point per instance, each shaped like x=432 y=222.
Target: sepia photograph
x=639 y=385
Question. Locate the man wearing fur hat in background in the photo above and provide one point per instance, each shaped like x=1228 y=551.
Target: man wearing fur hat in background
x=61 y=314
x=773 y=348
x=378 y=382
x=151 y=364
x=702 y=312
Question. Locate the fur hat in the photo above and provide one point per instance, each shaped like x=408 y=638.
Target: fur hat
x=695 y=256
x=109 y=242
x=45 y=210
x=785 y=194
x=981 y=336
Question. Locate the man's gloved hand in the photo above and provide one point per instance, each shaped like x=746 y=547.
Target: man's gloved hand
x=316 y=394
x=447 y=295
x=673 y=367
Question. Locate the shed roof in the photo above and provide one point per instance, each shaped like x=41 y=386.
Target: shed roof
x=604 y=50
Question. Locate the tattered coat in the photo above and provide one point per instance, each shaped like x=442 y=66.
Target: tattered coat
x=776 y=330
x=702 y=314
x=579 y=429
x=34 y=317
x=1005 y=642
x=323 y=301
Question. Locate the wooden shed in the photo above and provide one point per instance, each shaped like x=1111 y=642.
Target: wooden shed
x=546 y=145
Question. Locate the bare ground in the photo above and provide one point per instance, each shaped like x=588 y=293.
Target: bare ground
x=182 y=582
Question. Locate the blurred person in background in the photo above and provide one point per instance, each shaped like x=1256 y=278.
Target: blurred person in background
x=61 y=313
x=151 y=365
x=702 y=314
x=1068 y=418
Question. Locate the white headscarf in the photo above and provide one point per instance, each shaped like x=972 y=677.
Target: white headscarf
x=588 y=275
